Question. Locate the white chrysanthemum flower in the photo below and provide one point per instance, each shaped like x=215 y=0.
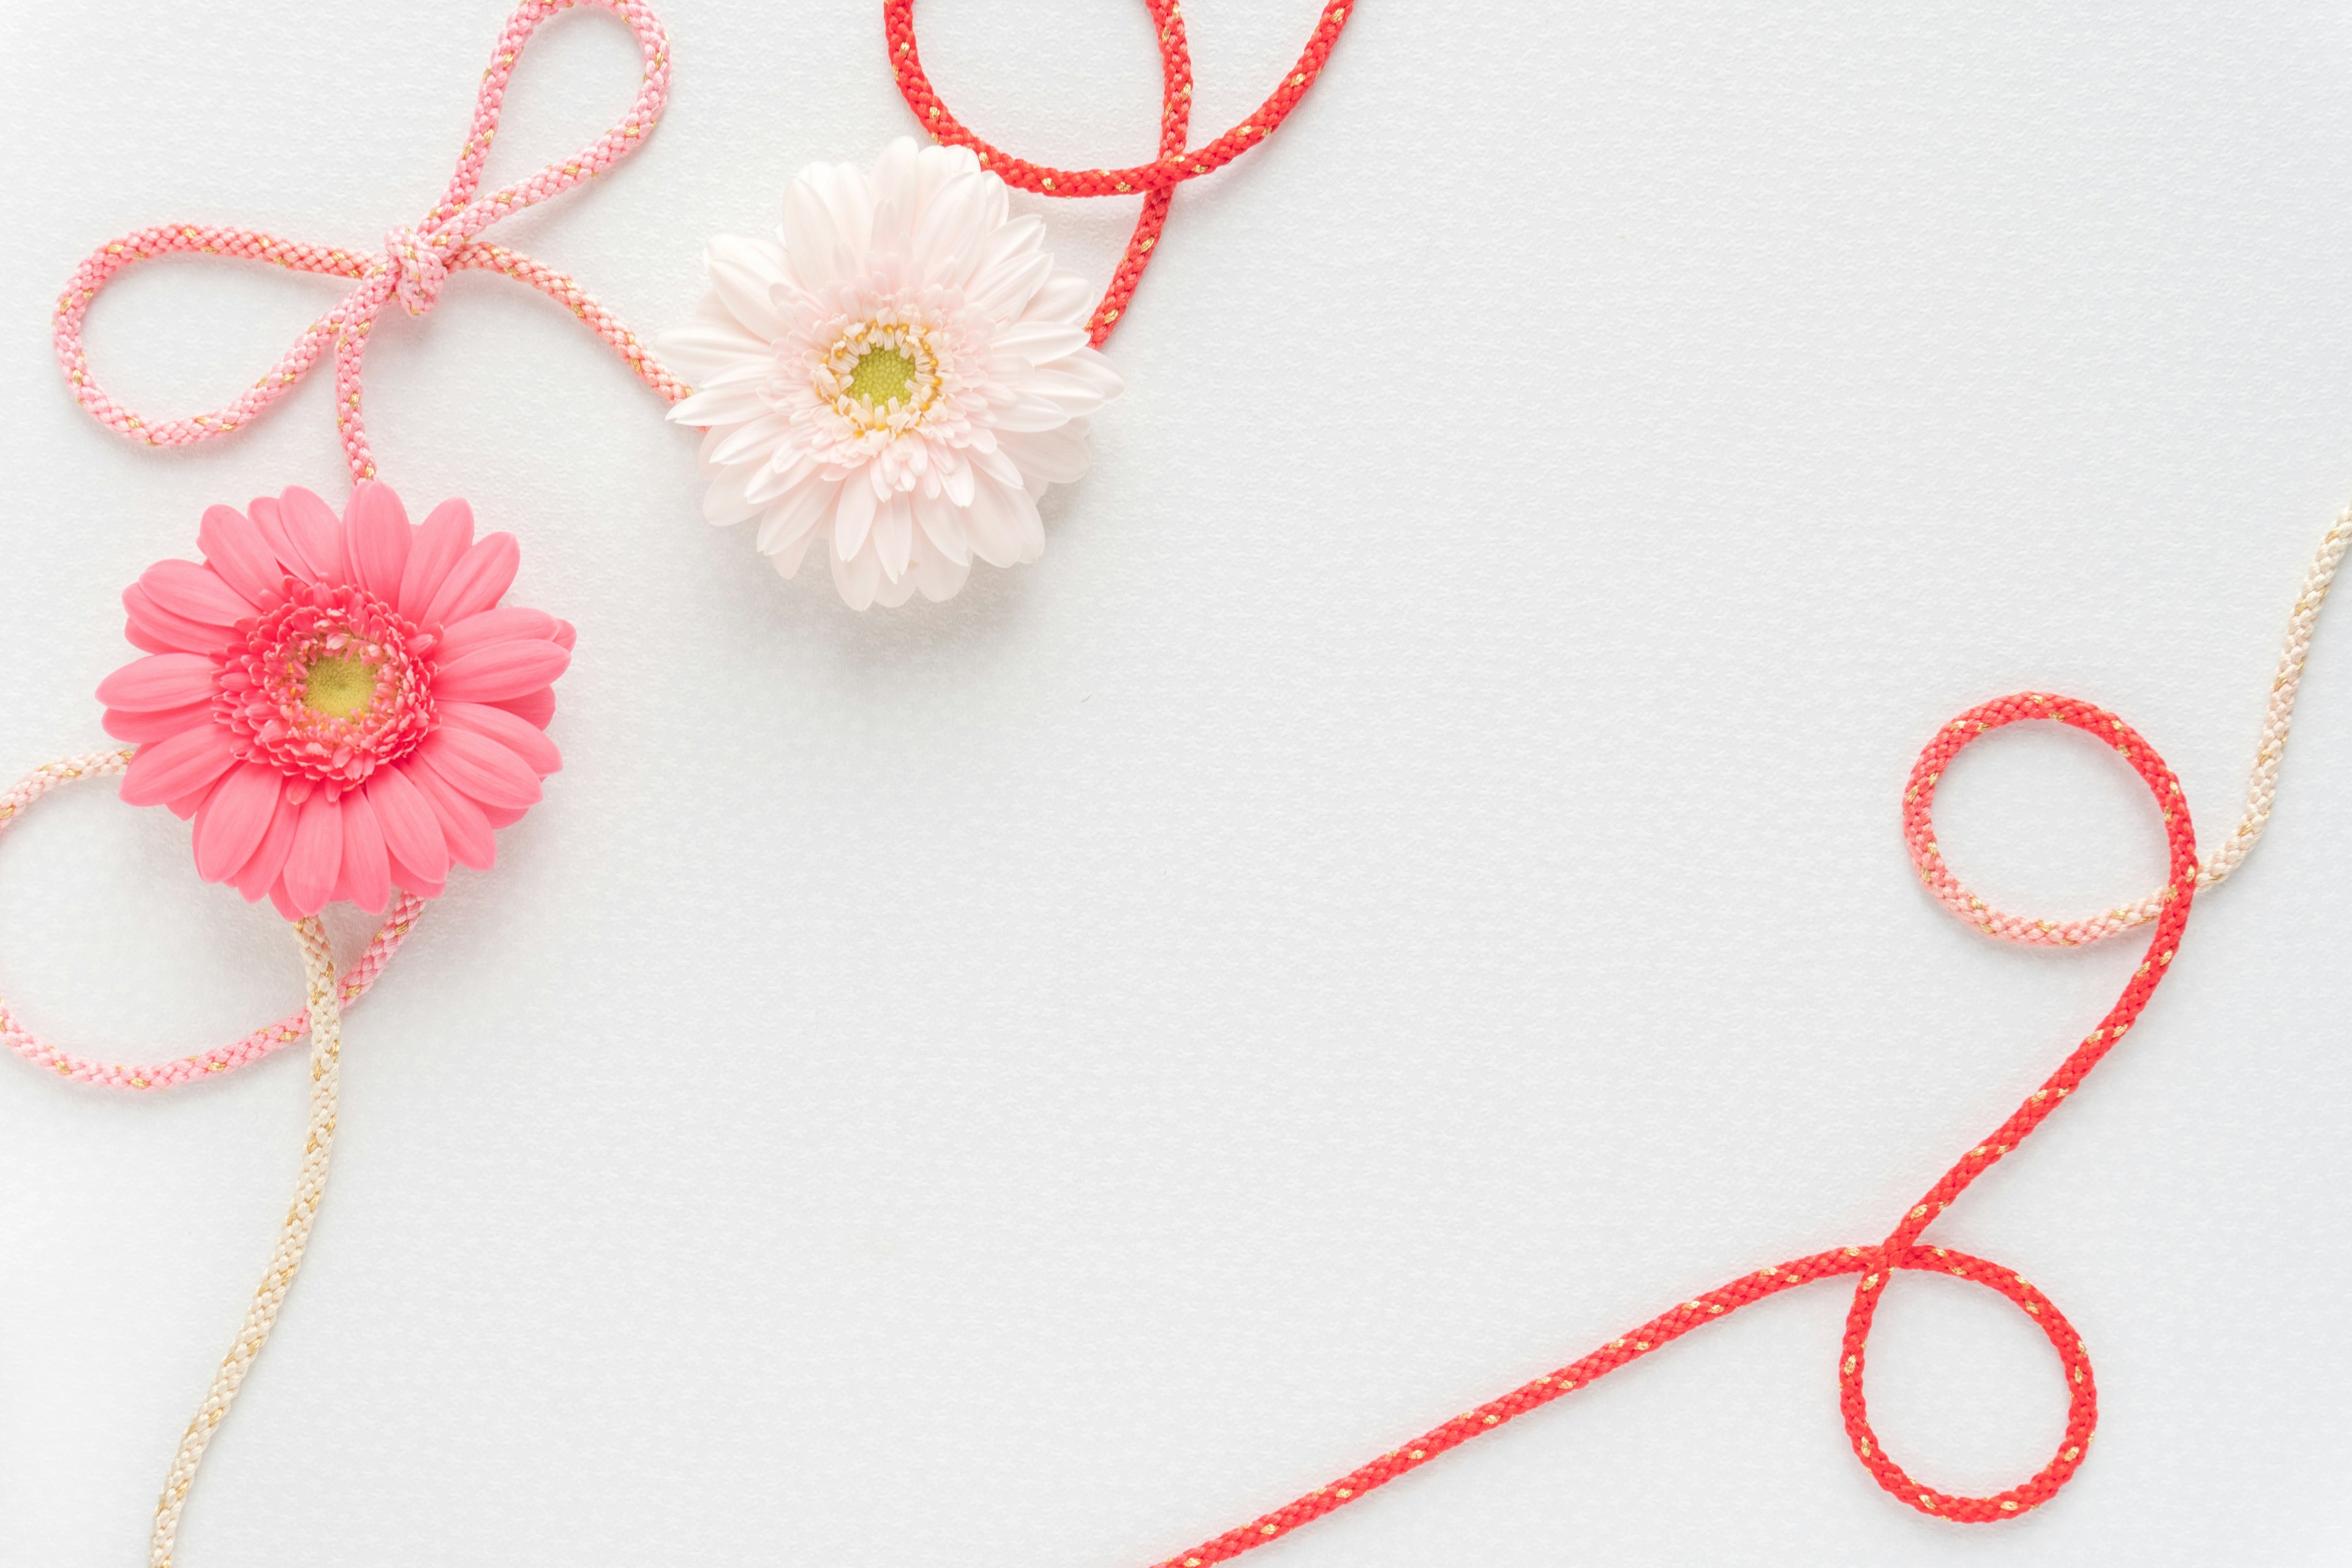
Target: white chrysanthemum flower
x=901 y=377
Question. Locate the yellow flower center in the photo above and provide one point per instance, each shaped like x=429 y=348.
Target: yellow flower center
x=340 y=688
x=881 y=377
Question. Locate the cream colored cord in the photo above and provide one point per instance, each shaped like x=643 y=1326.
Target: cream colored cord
x=2280 y=714
x=293 y=1236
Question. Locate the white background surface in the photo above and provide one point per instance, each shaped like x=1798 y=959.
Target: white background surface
x=1408 y=887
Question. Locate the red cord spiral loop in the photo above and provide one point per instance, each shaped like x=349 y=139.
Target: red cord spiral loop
x=1157 y=179
x=1902 y=1249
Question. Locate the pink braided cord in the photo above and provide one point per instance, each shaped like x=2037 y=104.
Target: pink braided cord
x=411 y=267
x=397 y=923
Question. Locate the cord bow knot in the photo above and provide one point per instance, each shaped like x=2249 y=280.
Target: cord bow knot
x=411 y=266
x=414 y=262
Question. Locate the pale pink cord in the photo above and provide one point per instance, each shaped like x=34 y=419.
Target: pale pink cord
x=411 y=267
x=2262 y=788
x=398 y=922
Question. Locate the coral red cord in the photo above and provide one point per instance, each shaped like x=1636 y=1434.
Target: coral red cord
x=1159 y=179
x=1901 y=1249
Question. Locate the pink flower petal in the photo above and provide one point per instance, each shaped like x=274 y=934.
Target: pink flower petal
x=502 y=671
x=510 y=730
x=140 y=729
x=479 y=580
x=234 y=819
x=410 y=880
x=259 y=873
x=284 y=901
x=504 y=817
x=566 y=633
x=500 y=625
x=412 y=834
x=367 y=876
x=534 y=708
x=486 y=771
x=235 y=548
x=160 y=630
x=189 y=761
x=195 y=593
x=441 y=541
x=270 y=521
x=462 y=822
x=316 y=856
x=147 y=642
x=312 y=527
x=375 y=540
x=160 y=682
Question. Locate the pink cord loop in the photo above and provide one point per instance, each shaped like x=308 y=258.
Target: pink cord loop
x=414 y=265
x=405 y=910
x=417 y=269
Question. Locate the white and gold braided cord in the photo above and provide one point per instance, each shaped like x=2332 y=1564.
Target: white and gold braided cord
x=293 y=1237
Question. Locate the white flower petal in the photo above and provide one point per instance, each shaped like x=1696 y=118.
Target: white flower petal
x=937 y=166
x=778 y=476
x=787 y=561
x=752 y=438
x=810 y=239
x=1065 y=297
x=896 y=194
x=1019 y=237
x=937 y=574
x=788 y=522
x=1038 y=341
x=1093 y=368
x=948 y=235
x=741 y=273
x=1056 y=457
x=853 y=516
x=718 y=407
x=894 y=535
x=724 y=503
x=942 y=523
x=1002 y=292
x=851 y=202
x=856 y=579
x=704 y=347
x=956 y=481
x=989 y=523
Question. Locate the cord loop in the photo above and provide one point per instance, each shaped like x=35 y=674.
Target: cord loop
x=414 y=265
x=1876 y=1265
x=1156 y=180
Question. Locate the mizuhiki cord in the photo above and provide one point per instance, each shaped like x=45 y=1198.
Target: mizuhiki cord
x=293 y=1239
x=2262 y=787
x=397 y=923
x=1877 y=1263
x=1157 y=179
x=411 y=267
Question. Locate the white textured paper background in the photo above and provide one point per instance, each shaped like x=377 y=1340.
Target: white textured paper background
x=1408 y=887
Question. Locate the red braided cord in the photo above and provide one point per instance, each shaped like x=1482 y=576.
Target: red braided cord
x=1902 y=1250
x=1175 y=165
x=411 y=267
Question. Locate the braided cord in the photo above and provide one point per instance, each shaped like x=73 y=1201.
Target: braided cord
x=1157 y=179
x=410 y=269
x=1878 y=1264
x=2261 y=791
x=293 y=1239
x=399 y=920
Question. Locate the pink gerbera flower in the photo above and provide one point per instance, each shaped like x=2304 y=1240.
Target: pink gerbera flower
x=340 y=704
